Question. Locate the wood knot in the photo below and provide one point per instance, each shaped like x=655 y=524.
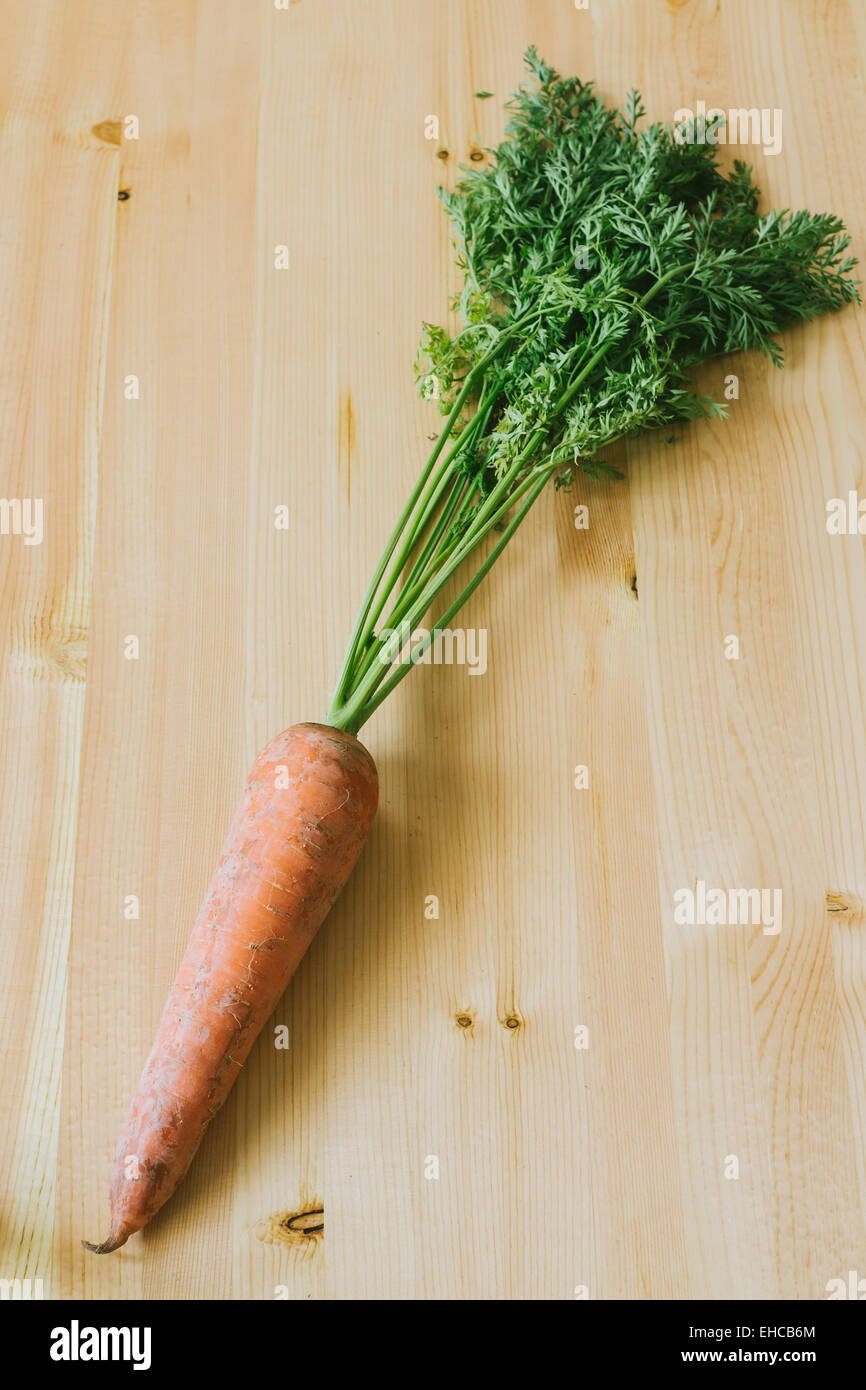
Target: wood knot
x=123 y=195
x=294 y=1228
x=512 y=1023
x=837 y=903
x=443 y=154
x=306 y=1223
x=476 y=155
x=464 y=1020
x=108 y=132
x=69 y=657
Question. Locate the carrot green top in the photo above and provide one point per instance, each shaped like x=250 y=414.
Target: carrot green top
x=600 y=264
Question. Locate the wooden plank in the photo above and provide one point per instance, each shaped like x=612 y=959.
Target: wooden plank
x=758 y=1037
x=164 y=746
x=57 y=208
x=414 y=1039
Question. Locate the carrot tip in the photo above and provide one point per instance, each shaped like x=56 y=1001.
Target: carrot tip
x=114 y=1242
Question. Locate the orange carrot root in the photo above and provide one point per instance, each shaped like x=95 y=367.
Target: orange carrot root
x=305 y=814
x=113 y=1242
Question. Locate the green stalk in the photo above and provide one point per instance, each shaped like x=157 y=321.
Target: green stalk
x=347 y=712
x=355 y=641
x=428 y=506
x=451 y=510
x=358 y=712
x=374 y=678
x=358 y=639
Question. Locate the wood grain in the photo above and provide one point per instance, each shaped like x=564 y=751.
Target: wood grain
x=559 y=1169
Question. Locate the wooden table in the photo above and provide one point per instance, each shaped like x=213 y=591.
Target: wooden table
x=165 y=387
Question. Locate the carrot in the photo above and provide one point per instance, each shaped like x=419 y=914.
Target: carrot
x=601 y=264
x=305 y=813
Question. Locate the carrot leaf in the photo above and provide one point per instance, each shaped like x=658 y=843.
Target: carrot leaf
x=601 y=263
